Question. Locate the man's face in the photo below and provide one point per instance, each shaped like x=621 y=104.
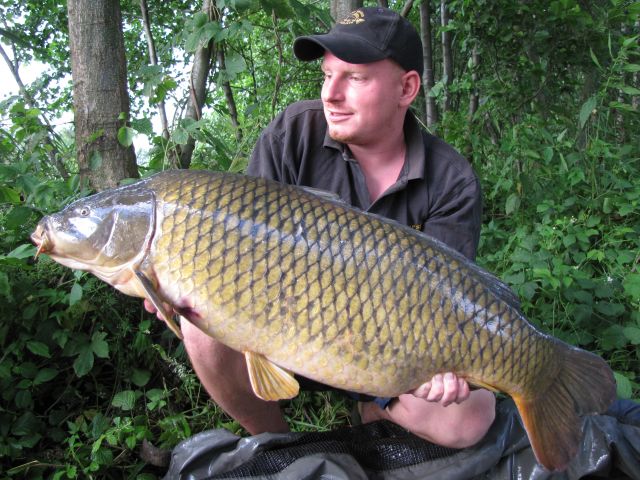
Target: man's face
x=361 y=100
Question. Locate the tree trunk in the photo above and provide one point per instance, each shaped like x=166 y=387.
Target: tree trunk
x=428 y=79
x=407 y=8
x=198 y=84
x=228 y=94
x=153 y=59
x=100 y=96
x=341 y=8
x=447 y=55
x=635 y=100
x=474 y=98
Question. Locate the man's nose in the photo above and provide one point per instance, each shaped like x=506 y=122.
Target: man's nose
x=331 y=90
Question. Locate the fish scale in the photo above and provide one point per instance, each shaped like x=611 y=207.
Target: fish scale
x=301 y=282
x=318 y=295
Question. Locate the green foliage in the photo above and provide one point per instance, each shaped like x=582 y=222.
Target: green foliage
x=564 y=222
x=86 y=375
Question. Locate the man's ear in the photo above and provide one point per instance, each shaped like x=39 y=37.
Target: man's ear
x=410 y=87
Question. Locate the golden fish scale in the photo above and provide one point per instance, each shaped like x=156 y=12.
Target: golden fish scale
x=339 y=296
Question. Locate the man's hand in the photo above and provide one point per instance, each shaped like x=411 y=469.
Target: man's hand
x=151 y=308
x=443 y=388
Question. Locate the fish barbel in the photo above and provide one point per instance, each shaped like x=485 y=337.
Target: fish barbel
x=301 y=282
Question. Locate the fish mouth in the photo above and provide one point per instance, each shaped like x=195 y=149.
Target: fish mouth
x=41 y=240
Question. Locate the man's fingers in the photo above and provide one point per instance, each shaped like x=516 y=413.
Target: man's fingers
x=444 y=388
x=423 y=390
x=463 y=390
x=437 y=388
x=450 y=393
x=148 y=306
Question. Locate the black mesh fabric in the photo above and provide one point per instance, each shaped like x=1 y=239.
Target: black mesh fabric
x=376 y=446
x=610 y=449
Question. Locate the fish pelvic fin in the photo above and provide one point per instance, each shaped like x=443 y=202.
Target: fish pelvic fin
x=584 y=385
x=151 y=293
x=268 y=380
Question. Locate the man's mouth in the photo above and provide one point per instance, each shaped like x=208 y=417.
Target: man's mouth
x=336 y=116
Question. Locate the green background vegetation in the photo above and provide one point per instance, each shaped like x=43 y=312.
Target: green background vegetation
x=86 y=376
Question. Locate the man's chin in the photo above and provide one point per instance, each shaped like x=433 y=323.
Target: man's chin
x=339 y=136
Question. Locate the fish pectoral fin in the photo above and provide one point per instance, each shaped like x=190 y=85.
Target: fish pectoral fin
x=152 y=295
x=268 y=380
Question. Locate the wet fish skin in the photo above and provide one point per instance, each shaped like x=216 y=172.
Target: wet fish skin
x=346 y=298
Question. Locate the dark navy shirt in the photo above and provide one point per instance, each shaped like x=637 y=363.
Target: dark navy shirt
x=436 y=192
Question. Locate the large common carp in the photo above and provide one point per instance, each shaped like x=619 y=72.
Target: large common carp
x=300 y=282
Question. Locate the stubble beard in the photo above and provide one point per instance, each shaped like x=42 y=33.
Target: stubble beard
x=341 y=137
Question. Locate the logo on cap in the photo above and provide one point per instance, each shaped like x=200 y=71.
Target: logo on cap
x=355 y=17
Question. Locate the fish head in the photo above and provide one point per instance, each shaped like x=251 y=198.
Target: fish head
x=104 y=233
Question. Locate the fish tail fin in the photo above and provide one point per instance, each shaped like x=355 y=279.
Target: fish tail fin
x=583 y=384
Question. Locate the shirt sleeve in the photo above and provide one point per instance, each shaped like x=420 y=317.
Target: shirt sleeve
x=266 y=158
x=271 y=158
x=456 y=218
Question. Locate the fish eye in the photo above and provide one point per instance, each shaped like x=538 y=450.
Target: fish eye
x=84 y=211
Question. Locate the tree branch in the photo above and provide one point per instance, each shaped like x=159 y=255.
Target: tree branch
x=153 y=58
x=52 y=152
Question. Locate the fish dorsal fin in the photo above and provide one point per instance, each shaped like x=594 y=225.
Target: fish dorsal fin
x=501 y=289
x=268 y=380
x=152 y=295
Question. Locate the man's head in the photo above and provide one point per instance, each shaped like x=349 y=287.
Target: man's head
x=367 y=35
x=372 y=62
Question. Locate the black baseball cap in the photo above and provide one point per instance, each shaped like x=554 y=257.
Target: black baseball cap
x=367 y=35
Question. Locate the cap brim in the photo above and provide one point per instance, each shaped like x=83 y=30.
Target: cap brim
x=348 y=48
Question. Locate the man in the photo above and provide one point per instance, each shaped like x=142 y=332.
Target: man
x=361 y=142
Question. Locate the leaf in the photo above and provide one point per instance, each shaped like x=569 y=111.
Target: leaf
x=610 y=309
x=76 y=294
x=38 y=348
x=622 y=106
x=95 y=161
x=17 y=217
x=45 y=375
x=23 y=251
x=630 y=41
x=235 y=64
x=125 y=136
x=180 y=136
x=633 y=334
x=26 y=424
x=124 y=400
x=629 y=90
x=99 y=425
x=631 y=67
x=99 y=346
x=512 y=204
x=9 y=195
x=585 y=111
x=142 y=125
x=595 y=59
x=623 y=386
x=84 y=362
x=631 y=285
x=140 y=377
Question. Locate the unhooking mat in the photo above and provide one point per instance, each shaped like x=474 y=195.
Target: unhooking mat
x=382 y=450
